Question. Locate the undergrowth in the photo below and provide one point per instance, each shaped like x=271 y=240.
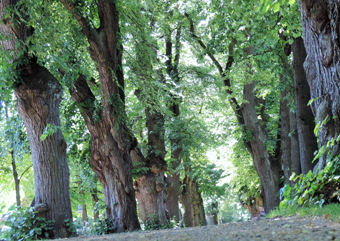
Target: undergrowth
x=329 y=211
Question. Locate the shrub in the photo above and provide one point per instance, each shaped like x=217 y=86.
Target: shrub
x=319 y=188
x=154 y=224
x=25 y=225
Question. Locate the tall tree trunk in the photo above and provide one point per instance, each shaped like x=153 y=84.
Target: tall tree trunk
x=111 y=140
x=286 y=144
x=212 y=213
x=304 y=116
x=110 y=161
x=38 y=97
x=14 y=166
x=150 y=186
x=320 y=28
x=16 y=179
x=95 y=199
x=295 y=146
x=84 y=212
x=289 y=140
x=38 y=105
x=266 y=165
x=173 y=179
x=191 y=199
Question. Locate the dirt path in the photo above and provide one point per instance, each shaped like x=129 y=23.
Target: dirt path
x=288 y=228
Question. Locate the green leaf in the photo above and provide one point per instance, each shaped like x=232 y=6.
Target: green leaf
x=291 y=2
x=276 y=7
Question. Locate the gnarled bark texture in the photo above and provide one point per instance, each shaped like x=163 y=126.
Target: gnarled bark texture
x=304 y=115
x=38 y=105
x=110 y=160
x=111 y=140
x=320 y=27
x=150 y=186
x=38 y=98
x=192 y=202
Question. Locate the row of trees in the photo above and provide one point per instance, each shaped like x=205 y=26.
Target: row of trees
x=192 y=76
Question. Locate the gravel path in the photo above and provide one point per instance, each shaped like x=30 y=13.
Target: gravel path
x=285 y=228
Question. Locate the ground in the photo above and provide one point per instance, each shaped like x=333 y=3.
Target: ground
x=279 y=228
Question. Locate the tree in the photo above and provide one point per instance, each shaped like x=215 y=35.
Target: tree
x=266 y=157
x=319 y=27
x=111 y=140
x=148 y=80
x=38 y=97
x=15 y=149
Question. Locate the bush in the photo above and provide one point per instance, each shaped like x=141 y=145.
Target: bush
x=320 y=188
x=25 y=225
x=154 y=224
x=102 y=226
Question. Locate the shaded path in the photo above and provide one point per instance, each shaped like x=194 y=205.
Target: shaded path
x=287 y=228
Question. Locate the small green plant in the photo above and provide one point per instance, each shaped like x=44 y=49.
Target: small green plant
x=314 y=188
x=154 y=224
x=102 y=226
x=332 y=211
x=50 y=129
x=25 y=225
x=139 y=169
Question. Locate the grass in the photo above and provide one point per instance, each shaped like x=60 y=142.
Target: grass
x=330 y=211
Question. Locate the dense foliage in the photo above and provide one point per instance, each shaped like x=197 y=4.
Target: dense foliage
x=227 y=67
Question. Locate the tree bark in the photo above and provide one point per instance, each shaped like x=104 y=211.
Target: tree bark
x=109 y=160
x=295 y=146
x=304 y=115
x=266 y=165
x=38 y=105
x=191 y=199
x=38 y=97
x=286 y=144
x=84 y=212
x=95 y=199
x=173 y=179
x=320 y=28
x=14 y=167
x=111 y=140
x=173 y=184
x=16 y=179
x=212 y=213
x=150 y=187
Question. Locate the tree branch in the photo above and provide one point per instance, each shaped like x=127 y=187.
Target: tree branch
x=84 y=23
x=25 y=172
x=83 y=96
x=200 y=42
x=226 y=81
